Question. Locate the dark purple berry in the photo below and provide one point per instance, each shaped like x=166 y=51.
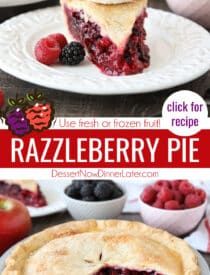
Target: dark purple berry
x=73 y=192
x=87 y=190
x=17 y=122
x=117 y=193
x=103 y=190
x=72 y=54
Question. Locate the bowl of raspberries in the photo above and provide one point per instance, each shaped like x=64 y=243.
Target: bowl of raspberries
x=94 y=199
x=173 y=205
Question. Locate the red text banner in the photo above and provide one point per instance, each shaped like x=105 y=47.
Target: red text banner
x=104 y=149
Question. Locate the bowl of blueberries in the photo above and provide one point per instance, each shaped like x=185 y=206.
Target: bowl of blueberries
x=94 y=199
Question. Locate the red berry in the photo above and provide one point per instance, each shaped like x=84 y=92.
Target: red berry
x=165 y=194
x=47 y=51
x=149 y=195
x=160 y=184
x=105 y=42
x=201 y=193
x=178 y=196
x=186 y=188
x=192 y=201
x=175 y=184
x=158 y=204
x=172 y=205
x=2 y=99
x=60 y=38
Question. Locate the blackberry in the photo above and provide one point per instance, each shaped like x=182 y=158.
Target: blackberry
x=117 y=193
x=73 y=191
x=87 y=190
x=78 y=183
x=72 y=54
x=104 y=190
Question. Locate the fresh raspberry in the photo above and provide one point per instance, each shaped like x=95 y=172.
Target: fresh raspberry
x=149 y=195
x=47 y=51
x=175 y=184
x=2 y=99
x=178 y=196
x=201 y=193
x=172 y=205
x=158 y=204
x=186 y=188
x=160 y=184
x=165 y=194
x=60 y=38
x=192 y=201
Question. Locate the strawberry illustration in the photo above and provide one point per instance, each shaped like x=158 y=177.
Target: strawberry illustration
x=39 y=113
x=16 y=118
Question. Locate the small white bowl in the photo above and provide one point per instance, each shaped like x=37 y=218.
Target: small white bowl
x=177 y=222
x=110 y=209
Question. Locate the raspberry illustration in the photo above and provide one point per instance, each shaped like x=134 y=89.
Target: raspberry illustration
x=15 y=117
x=39 y=113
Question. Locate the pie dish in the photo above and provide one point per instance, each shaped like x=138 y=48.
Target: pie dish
x=26 y=191
x=113 y=34
x=102 y=247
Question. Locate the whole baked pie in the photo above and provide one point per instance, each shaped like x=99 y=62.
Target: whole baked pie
x=113 y=34
x=102 y=248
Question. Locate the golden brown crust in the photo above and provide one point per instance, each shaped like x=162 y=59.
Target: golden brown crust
x=116 y=21
x=123 y=231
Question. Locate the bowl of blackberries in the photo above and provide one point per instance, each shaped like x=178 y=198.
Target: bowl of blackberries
x=94 y=199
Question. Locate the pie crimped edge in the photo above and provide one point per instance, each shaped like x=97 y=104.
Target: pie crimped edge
x=16 y=262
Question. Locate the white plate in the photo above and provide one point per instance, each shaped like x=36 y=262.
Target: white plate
x=202 y=262
x=10 y=3
x=180 y=51
x=54 y=200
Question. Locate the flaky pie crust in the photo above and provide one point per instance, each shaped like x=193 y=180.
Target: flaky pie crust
x=116 y=21
x=84 y=247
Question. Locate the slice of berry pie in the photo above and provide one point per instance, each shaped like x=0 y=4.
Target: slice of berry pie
x=102 y=248
x=26 y=191
x=113 y=34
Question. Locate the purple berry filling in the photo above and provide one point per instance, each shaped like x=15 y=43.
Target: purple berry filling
x=124 y=271
x=103 y=52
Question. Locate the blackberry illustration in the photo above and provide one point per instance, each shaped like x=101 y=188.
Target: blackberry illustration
x=72 y=54
x=15 y=117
